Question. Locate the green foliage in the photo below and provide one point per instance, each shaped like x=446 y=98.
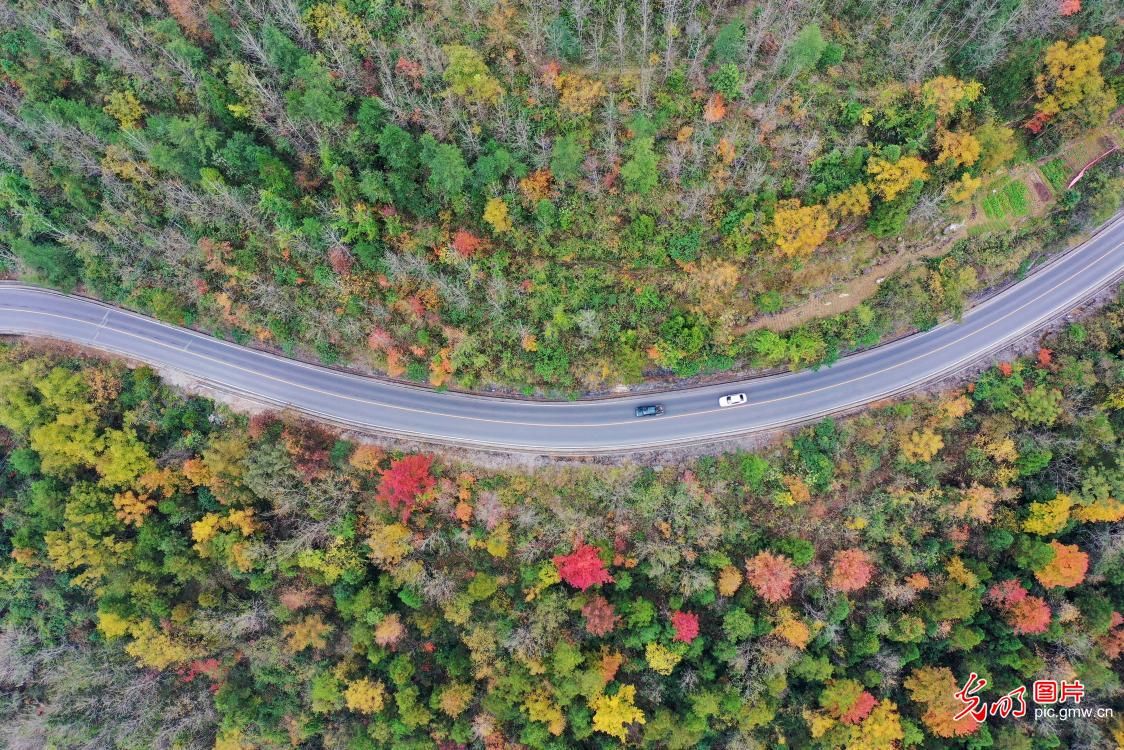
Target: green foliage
x=455 y=612
x=1009 y=200
x=640 y=172
x=566 y=159
x=728 y=80
x=50 y=263
x=534 y=222
x=728 y=42
x=807 y=49
x=1056 y=173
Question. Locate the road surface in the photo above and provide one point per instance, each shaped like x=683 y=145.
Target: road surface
x=581 y=427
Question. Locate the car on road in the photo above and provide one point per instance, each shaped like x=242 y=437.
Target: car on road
x=649 y=410
x=732 y=399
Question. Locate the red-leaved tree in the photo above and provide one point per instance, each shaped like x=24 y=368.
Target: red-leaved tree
x=1067 y=569
x=1024 y=613
x=770 y=576
x=851 y=570
x=600 y=618
x=404 y=482
x=466 y=243
x=860 y=709
x=582 y=568
x=686 y=626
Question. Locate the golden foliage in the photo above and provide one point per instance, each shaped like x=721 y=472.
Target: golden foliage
x=613 y=714
x=921 y=446
x=964 y=188
x=366 y=458
x=124 y=107
x=1073 y=80
x=935 y=688
x=798 y=230
x=957 y=147
x=1066 y=570
x=112 y=626
x=365 y=696
x=660 y=658
x=536 y=185
x=155 y=648
x=577 y=94
x=389 y=543
x=539 y=707
x=309 y=632
x=955 y=408
x=467 y=75
x=455 y=698
x=1048 y=517
x=947 y=93
x=1108 y=510
x=725 y=150
x=389 y=630
x=333 y=21
x=75 y=548
x=893 y=178
x=958 y=571
x=997 y=144
x=881 y=730
x=729 y=580
x=818 y=723
x=132 y=509
x=976 y=503
x=854 y=201
x=496 y=214
x=792 y=629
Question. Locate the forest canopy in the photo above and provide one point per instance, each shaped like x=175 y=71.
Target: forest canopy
x=533 y=196
x=175 y=575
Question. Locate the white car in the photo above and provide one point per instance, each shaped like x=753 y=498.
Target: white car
x=733 y=399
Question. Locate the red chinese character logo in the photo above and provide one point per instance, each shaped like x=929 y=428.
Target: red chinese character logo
x=1073 y=690
x=972 y=703
x=1045 y=691
x=1005 y=706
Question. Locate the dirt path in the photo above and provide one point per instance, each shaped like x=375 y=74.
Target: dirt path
x=850 y=293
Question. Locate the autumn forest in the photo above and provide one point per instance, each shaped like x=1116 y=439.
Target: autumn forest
x=556 y=199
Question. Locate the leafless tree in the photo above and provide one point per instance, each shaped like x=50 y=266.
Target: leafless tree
x=620 y=35
x=579 y=12
x=919 y=39
x=927 y=212
x=670 y=27
x=595 y=48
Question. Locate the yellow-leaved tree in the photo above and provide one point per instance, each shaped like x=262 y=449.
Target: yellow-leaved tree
x=540 y=707
x=946 y=94
x=798 y=230
x=922 y=446
x=1072 y=82
x=365 y=696
x=308 y=632
x=964 y=188
x=1048 y=517
x=613 y=713
x=957 y=147
x=496 y=214
x=935 y=688
x=891 y=178
x=854 y=201
x=468 y=76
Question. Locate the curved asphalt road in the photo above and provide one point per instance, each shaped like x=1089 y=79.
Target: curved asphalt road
x=582 y=427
